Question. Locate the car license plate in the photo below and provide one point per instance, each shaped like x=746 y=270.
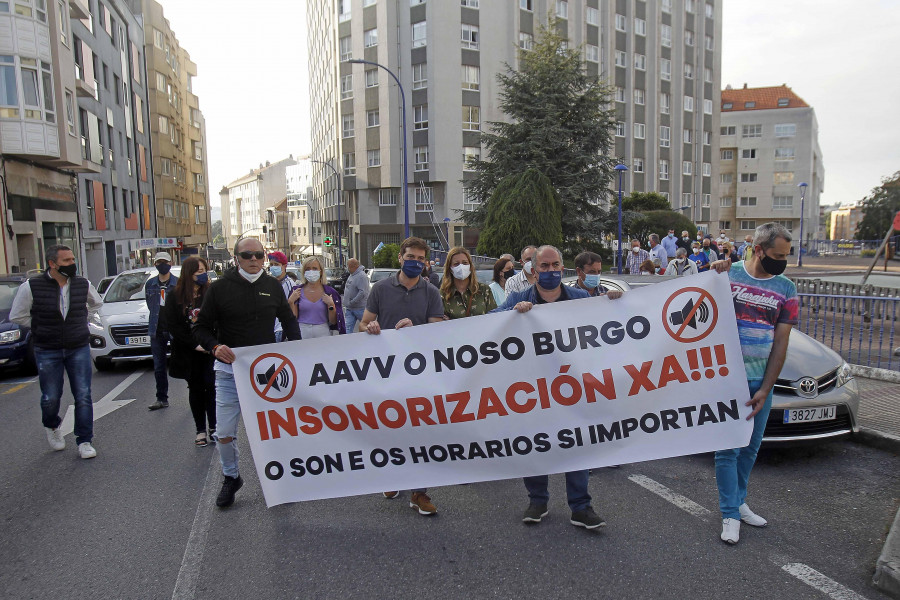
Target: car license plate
x=803 y=415
x=137 y=340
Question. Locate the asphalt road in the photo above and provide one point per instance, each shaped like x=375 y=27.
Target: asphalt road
x=139 y=522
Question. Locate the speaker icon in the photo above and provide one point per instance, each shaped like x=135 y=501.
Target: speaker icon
x=281 y=380
x=679 y=316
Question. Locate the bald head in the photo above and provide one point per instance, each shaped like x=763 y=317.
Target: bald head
x=352 y=265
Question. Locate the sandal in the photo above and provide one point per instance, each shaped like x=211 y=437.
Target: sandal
x=201 y=440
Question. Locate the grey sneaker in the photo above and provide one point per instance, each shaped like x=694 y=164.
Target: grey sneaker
x=534 y=513
x=587 y=518
x=55 y=438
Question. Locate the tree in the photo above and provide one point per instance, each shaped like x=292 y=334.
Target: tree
x=217 y=239
x=386 y=258
x=531 y=196
x=660 y=222
x=879 y=208
x=644 y=201
x=559 y=123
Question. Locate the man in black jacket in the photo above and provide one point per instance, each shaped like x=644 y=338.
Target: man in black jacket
x=239 y=310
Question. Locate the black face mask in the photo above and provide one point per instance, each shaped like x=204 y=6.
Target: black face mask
x=68 y=270
x=772 y=266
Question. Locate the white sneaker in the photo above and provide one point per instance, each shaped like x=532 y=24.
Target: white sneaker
x=751 y=518
x=731 y=531
x=56 y=439
x=85 y=450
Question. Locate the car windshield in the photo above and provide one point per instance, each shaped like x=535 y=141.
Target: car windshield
x=127 y=286
x=379 y=274
x=7 y=294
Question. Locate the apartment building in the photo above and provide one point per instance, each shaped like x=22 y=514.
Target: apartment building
x=769 y=146
x=247 y=201
x=179 y=134
x=845 y=220
x=305 y=230
x=661 y=57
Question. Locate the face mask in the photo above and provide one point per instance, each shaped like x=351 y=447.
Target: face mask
x=251 y=277
x=721 y=236
x=509 y=274
x=201 y=278
x=68 y=270
x=679 y=260
x=461 y=271
x=706 y=248
x=275 y=271
x=591 y=281
x=772 y=266
x=412 y=268
x=528 y=267
x=312 y=276
x=696 y=250
x=671 y=235
x=163 y=268
x=550 y=280
x=636 y=249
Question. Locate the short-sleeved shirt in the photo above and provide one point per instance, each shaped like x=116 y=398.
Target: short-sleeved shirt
x=392 y=302
x=760 y=305
x=458 y=304
x=700 y=260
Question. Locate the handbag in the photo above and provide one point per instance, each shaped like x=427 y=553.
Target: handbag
x=179 y=364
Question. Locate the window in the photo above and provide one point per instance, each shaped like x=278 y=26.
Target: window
x=349 y=163
x=686 y=167
x=637 y=165
x=751 y=131
x=347 y=125
x=198 y=150
x=726 y=202
x=370 y=37
x=371 y=78
x=688 y=6
x=470 y=36
x=665 y=136
x=423 y=199
x=687 y=136
x=387 y=197
x=749 y=104
x=783 y=202
x=526 y=41
x=729 y=130
x=620 y=129
x=665 y=101
x=726 y=178
x=9 y=94
x=640 y=62
x=372 y=118
x=639 y=131
x=471 y=118
x=667 y=6
x=707 y=74
x=689 y=103
x=748 y=153
x=748 y=225
x=419 y=31
x=784 y=177
x=470 y=153
x=345 y=44
x=789 y=225
x=198 y=183
x=591 y=53
x=748 y=177
x=707 y=106
x=421 y=158
x=470 y=77
x=469 y=3
x=665 y=35
x=784 y=154
x=727 y=155
x=620 y=94
x=665 y=69
x=724 y=224
x=688 y=37
x=709 y=15
x=343 y=10
x=163 y=124
x=708 y=40
x=707 y=138
x=707 y=199
x=158 y=38
x=785 y=130
x=784 y=102
x=70 y=110
x=707 y=169
x=525 y=5
x=621 y=23
x=346 y=86
x=664 y=170
x=640 y=26
x=420 y=76
x=592 y=16
x=562 y=9
x=688 y=71
x=166 y=166
x=621 y=59
x=638 y=96
x=748 y=201
x=373 y=158
x=368 y=3
x=420 y=116
x=411 y=2
x=687 y=199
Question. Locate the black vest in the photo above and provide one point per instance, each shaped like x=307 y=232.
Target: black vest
x=48 y=329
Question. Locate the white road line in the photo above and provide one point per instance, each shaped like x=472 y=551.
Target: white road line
x=824 y=584
x=189 y=573
x=685 y=504
x=105 y=405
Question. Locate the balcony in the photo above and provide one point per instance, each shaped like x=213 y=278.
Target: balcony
x=79 y=9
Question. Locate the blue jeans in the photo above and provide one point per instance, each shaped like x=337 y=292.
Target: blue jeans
x=352 y=317
x=279 y=335
x=576 y=489
x=158 y=345
x=228 y=413
x=77 y=363
x=733 y=466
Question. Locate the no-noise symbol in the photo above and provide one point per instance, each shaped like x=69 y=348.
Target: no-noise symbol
x=273 y=377
x=690 y=314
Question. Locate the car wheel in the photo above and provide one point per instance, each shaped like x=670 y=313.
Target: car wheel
x=103 y=364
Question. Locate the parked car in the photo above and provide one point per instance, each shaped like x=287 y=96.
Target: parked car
x=337 y=278
x=16 y=349
x=815 y=396
x=104 y=284
x=377 y=274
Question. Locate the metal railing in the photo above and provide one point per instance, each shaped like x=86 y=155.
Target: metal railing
x=844 y=247
x=819 y=287
x=862 y=329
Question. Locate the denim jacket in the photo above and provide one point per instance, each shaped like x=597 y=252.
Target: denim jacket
x=151 y=293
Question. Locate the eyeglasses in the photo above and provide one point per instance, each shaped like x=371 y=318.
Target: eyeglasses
x=249 y=255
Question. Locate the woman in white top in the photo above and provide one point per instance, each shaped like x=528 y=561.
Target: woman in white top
x=503 y=272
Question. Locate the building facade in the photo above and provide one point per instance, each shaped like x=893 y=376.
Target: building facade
x=769 y=146
x=661 y=57
x=844 y=221
x=305 y=231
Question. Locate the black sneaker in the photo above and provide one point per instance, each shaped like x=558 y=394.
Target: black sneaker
x=534 y=513
x=230 y=486
x=158 y=405
x=587 y=518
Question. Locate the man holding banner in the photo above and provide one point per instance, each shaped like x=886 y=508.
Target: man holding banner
x=765 y=304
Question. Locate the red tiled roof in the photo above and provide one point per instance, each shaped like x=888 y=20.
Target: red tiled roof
x=760 y=98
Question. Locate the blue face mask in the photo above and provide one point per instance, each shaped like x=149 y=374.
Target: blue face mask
x=550 y=280
x=202 y=278
x=591 y=281
x=275 y=271
x=412 y=268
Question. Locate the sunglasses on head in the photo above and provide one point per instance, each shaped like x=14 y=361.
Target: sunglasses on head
x=249 y=255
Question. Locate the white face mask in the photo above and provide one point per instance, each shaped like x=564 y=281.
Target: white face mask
x=251 y=277
x=312 y=276
x=461 y=271
x=636 y=249
x=679 y=260
x=528 y=268
x=696 y=250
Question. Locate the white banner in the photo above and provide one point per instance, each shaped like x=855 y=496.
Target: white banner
x=567 y=386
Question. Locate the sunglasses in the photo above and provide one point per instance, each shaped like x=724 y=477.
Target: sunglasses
x=249 y=255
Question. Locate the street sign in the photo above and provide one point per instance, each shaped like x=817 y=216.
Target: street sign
x=378 y=247
x=897 y=221
x=328 y=240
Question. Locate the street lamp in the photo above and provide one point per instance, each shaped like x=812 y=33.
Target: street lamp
x=403 y=163
x=802 y=187
x=620 y=168
x=340 y=200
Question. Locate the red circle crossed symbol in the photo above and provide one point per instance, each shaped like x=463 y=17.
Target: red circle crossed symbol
x=688 y=316
x=273 y=378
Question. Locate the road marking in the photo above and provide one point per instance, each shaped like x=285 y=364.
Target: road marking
x=189 y=573
x=16 y=388
x=685 y=504
x=824 y=584
x=106 y=405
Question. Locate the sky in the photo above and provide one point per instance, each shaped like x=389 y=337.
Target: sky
x=840 y=57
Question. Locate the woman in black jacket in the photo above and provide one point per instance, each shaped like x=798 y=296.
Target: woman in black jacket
x=190 y=361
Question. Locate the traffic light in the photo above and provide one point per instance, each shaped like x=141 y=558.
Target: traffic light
x=328 y=240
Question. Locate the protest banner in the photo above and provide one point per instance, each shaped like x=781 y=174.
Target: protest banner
x=569 y=385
